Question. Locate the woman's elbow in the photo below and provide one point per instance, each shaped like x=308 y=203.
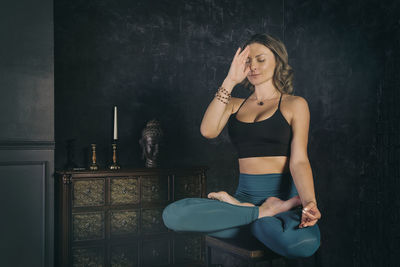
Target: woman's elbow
x=295 y=163
x=207 y=133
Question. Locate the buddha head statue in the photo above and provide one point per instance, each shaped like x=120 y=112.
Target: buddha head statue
x=150 y=141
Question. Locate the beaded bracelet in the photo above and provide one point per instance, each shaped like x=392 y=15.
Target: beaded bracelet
x=224 y=91
x=223 y=95
x=221 y=98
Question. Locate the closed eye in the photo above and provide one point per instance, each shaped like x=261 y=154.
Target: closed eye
x=259 y=60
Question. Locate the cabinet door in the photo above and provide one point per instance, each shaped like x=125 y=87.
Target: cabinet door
x=88 y=257
x=154 y=189
x=187 y=186
x=156 y=252
x=124 y=191
x=124 y=222
x=124 y=255
x=86 y=193
x=152 y=220
x=188 y=248
x=88 y=226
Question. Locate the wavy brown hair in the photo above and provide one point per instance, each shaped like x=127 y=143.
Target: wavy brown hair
x=283 y=73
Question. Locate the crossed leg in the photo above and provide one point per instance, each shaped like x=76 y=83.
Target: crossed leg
x=276 y=226
x=282 y=235
x=270 y=207
x=207 y=215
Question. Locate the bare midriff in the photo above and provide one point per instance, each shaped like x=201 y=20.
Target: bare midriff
x=264 y=165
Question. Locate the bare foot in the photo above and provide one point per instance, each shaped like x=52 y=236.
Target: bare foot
x=274 y=205
x=225 y=197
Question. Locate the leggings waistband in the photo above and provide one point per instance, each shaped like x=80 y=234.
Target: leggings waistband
x=255 y=188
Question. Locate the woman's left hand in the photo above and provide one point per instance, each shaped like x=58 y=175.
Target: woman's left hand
x=310 y=215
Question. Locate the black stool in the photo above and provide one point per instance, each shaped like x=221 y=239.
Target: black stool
x=231 y=252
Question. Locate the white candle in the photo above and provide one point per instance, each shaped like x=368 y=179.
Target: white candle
x=115 y=124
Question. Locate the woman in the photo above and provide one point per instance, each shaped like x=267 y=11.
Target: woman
x=270 y=131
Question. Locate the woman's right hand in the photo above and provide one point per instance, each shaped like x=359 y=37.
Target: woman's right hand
x=239 y=69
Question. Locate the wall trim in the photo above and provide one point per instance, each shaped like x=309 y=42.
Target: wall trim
x=27 y=145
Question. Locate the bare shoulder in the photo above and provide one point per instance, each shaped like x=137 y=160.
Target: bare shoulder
x=294 y=106
x=295 y=103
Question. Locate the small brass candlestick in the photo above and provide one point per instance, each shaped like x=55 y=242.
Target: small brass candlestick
x=94 y=166
x=114 y=165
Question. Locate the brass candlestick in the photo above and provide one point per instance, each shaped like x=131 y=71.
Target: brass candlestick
x=114 y=165
x=94 y=166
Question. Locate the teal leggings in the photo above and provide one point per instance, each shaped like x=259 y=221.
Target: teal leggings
x=280 y=232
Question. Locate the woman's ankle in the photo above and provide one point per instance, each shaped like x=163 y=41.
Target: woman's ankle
x=264 y=211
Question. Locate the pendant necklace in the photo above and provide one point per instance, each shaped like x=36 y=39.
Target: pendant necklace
x=261 y=101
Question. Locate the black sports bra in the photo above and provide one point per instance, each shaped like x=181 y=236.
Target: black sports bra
x=269 y=137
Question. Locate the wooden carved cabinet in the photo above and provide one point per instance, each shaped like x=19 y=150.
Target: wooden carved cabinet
x=114 y=218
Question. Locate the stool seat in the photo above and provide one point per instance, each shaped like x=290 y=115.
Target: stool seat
x=249 y=250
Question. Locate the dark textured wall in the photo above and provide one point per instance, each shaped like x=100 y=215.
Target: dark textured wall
x=379 y=215
x=26 y=71
x=346 y=58
x=153 y=59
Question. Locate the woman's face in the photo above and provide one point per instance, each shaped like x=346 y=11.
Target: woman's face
x=262 y=64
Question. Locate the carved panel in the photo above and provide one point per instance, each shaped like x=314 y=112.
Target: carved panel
x=124 y=222
x=88 y=193
x=87 y=226
x=188 y=248
x=124 y=191
x=88 y=257
x=124 y=255
x=152 y=221
x=187 y=186
x=156 y=252
x=154 y=188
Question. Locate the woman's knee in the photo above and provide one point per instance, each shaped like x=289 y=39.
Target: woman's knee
x=303 y=250
x=290 y=242
x=173 y=216
x=177 y=213
x=305 y=246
